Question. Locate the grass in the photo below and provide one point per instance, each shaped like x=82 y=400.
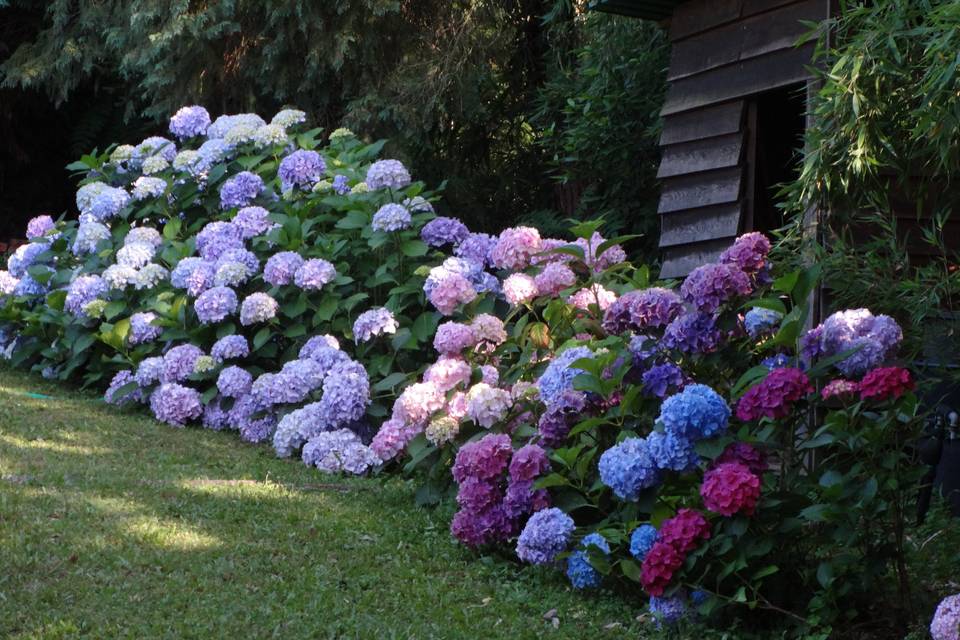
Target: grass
x=113 y=526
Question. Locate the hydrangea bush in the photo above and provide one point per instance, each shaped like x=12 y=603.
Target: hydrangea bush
x=208 y=271
x=685 y=435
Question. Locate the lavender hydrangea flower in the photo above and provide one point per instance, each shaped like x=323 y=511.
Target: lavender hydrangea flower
x=339 y=451
x=107 y=203
x=135 y=255
x=443 y=231
x=659 y=379
x=546 y=534
x=215 y=304
x=215 y=416
x=641 y=310
x=218 y=237
x=487 y=405
x=391 y=217
x=230 y=348
x=149 y=371
x=234 y=382
x=253 y=222
x=8 y=283
x=340 y=184
x=146 y=187
x=82 y=291
x=89 y=235
x=121 y=379
x=313 y=274
x=281 y=267
x=189 y=122
x=387 y=174
x=318 y=348
x=210 y=153
x=628 y=468
x=476 y=247
x=39 y=227
x=748 y=253
x=346 y=394
x=255 y=423
x=223 y=124
x=257 y=307
x=946 y=620
x=142 y=329
x=175 y=404
x=669 y=610
x=374 y=322
x=295 y=428
x=179 y=362
x=871 y=338
x=240 y=190
x=301 y=169
x=452 y=338
x=558 y=376
x=143 y=235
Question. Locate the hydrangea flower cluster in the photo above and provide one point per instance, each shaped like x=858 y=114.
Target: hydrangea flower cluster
x=387 y=174
x=677 y=537
x=871 y=339
x=775 y=395
x=885 y=383
x=729 y=488
x=581 y=573
x=546 y=534
x=374 y=322
x=946 y=620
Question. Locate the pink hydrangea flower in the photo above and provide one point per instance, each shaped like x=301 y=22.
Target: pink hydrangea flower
x=685 y=530
x=658 y=568
x=418 y=403
x=451 y=291
x=448 y=372
x=839 y=388
x=489 y=331
x=392 y=438
x=554 y=278
x=596 y=294
x=515 y=247
x=885 y=382
x=614 y=254
x=487 y=405
x=519 y=288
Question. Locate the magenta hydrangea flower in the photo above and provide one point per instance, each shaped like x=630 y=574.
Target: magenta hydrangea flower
x=745 y=454
x=712 y=285
x=684 y=531
x=659 y=566
x=774 y=396
x=529 y=462
x=840 y=389
x=515 y=248
x=730 y=488
x=485 y=458
x=884 y=383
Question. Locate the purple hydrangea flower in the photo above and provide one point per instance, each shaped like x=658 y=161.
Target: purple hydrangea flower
x=122 y=378
x=301 y=169
x=316 y=348
x=443 y=231
x=346 y=393
x=387 y=174
x=281 y=267
x=374 y=322
x=557 y=420
x=641 y=310
x=661 y=379
x=341 y=184
x=257 y=307
x=215 y=304
x=712 y=285
x=946 y=620
x=669 y=610
x=339 y=451
x=142 y=329
x=558 y=376
x=215 y=417
x=218 y=237
x=391 y=217
x=692 y=333
x=230 y=348
x=452 y=338
x=189 y=122
x=240 y=190
x=748 y=253
x=149 y=371
x=255 y=423
x=175 y=404
x=759 y=320
x=546 y=535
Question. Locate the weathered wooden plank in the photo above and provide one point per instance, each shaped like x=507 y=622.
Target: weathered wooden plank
x=699 y=225
x=748 y=38
x=747 y=77
x=701 y=15
x=701 y=155
x=753 y=7
x=700 y=190
x=681 y=260
x=716 y=120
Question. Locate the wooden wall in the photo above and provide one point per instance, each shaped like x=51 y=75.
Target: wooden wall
x=723 y=53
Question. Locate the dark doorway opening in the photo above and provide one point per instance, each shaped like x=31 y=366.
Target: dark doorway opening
x=776 y=121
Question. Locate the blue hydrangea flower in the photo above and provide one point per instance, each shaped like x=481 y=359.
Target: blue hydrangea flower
x=670 y=610
x=301 y=169
x=313 y=274
x=581 y=573
x=281 y=267
x=153 y=146
x=253 y=222
x=210 y=153
x=234 y=382
x=387 y=174
x=641 y=541
x=83 y=290
x=26 y=256
x=118 y=277
x=777 y=361
x=89 y=235
x=240 y=190
x=217 y=238
x=135 y=255
x=322 y=349
x=391 y=217
x=149 y=371
x=759 y=320
x=661 y=378
x=671 y=452
x=695 y=413
x=107 y=203
x=558 y=376
x=28 y=286
x=87 y=193
x=190 y=121
x=628 y=468
x=142 y=329
x=222 y=125
x=692 y=333
x=230 y=348
x=546 y=535
x=374 y=322
x=476 y=247
x=146 y=187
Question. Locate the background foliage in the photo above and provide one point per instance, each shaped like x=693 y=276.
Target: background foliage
x=473 y=92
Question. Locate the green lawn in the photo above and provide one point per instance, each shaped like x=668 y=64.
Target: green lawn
x=112 y=525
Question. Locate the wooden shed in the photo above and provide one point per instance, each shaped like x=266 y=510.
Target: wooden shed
x=733 y=118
